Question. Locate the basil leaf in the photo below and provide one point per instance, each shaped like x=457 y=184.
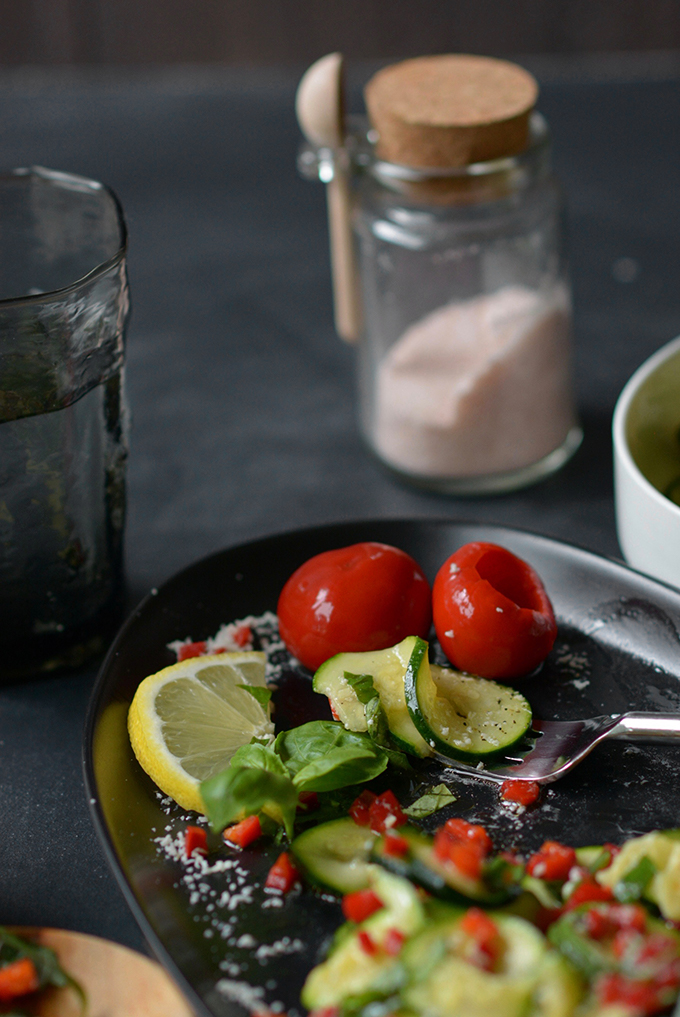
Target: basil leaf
x=378 y=729
x=244 y=790
x=634 y=883
x=436 y=798
x=50 y=971
x=376 y=719
x=258 y=692
x=362 y=685
x=258 y=755
x=323 y=756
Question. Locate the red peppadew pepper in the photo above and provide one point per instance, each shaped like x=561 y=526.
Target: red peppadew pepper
x=364 y=597
x=491 y=612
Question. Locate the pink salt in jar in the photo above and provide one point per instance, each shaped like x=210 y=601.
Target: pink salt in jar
x=464 y=356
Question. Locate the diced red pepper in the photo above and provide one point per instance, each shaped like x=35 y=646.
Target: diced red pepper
x=668 y=976
x=326 y=1011
x=623 y=941
x=476 y=924
x=385 y=813
x=18 y=978
x=605 y=920
x=553 y=862
x=244 y=833
x=308 y=801
x=655 y=947
x=628 y=916
x=464 y=845
x=195 y=839
x=598 y=925
x=283 y=875
x=360 y=808
x=588 y=891
x=242 y=636
x=367 y=944
x=524 y=792
x=191 y=650
x=460 y=829
x=393 y=942
x=641 y=996
x=358 y=906
x=467 y=858
x=395 y=846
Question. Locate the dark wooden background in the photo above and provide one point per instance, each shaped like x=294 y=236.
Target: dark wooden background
x=275 y=31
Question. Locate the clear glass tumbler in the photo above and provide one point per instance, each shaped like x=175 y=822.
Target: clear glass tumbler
x=63 y=423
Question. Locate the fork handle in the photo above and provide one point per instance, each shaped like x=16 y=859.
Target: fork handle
x=647 y=727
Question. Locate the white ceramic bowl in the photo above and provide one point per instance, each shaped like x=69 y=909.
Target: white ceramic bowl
x=646 y=432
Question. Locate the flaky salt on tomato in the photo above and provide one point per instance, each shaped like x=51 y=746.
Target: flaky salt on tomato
x=364 y=597
x=491 y=613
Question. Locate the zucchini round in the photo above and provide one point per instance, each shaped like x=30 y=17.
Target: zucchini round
x=387 y=669
x=462 y=716
x=336 y=854
x=441 y=982
x=349 y=971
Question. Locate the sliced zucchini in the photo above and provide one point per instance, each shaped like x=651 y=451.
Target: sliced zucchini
x=442 y=880
x=462 y=716
x=662 y=850
x=528 y=979
x=351 y=971
x=336 y=854
x=387 y=668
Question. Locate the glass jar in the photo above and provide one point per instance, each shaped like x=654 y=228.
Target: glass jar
x=464 y=355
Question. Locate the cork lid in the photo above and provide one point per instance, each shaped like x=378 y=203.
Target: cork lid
x=450 y=110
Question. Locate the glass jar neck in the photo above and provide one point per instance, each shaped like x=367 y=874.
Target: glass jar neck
x=465 y=185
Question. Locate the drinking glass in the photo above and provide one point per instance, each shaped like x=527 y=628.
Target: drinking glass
x=63 y=422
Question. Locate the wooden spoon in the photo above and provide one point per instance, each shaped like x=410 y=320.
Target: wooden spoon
x=118 y=982
x=319 y=105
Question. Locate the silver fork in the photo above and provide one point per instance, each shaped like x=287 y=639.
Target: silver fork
x=561 y=745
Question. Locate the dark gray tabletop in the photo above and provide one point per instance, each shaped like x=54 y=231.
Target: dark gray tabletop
x=242 y=396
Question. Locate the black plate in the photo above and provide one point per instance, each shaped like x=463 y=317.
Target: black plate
x=618 y=648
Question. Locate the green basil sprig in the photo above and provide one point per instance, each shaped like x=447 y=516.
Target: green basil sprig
x=319 y=756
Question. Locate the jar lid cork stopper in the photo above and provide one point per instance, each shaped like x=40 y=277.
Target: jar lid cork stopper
x=451 y=110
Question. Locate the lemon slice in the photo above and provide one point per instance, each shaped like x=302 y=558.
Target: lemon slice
x=188 y=720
